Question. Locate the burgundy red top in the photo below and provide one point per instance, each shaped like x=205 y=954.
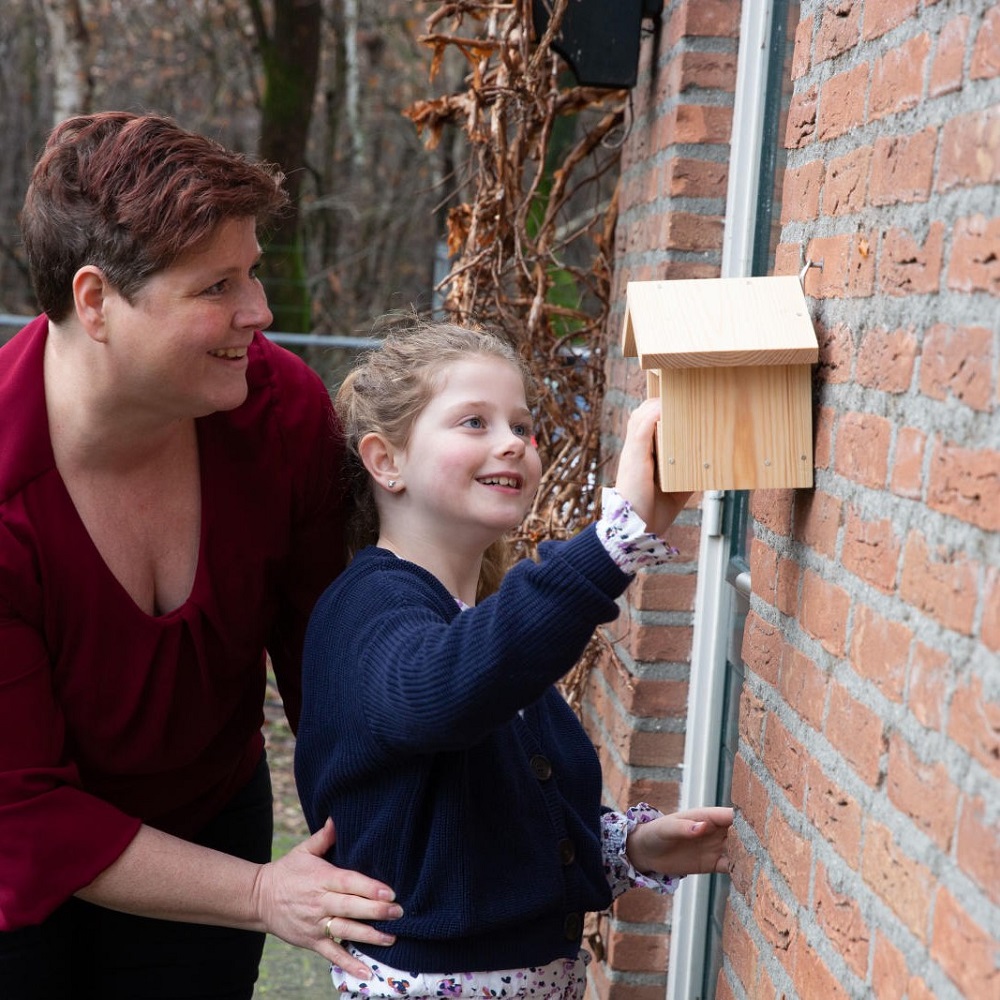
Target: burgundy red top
x=109 y=716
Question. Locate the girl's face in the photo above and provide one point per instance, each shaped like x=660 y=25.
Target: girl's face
x=180 y=349
x=470 y=469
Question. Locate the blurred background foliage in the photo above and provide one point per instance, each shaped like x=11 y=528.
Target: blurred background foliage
x=323 y=88
x=317 y=86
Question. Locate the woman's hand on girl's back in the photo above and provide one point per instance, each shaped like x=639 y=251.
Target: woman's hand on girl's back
x=300 y=894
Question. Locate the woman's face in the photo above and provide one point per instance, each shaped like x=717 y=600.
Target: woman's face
x=181 y=346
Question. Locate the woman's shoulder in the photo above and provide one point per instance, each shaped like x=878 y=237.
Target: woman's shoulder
x=25 y=449
x=278 y=374
x=287 y=406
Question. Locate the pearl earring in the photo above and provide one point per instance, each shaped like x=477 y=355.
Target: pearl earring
x=391 y=484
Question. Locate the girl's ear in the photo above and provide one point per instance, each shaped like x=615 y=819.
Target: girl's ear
x=379 y=458
x=90 y=289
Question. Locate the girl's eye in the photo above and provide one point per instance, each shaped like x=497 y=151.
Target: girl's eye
x=523 y=430
x=476 y=423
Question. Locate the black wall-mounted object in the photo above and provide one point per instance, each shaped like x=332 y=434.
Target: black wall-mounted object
x=599 y=38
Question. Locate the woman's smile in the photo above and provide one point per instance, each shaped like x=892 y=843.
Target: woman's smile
x=230 y=353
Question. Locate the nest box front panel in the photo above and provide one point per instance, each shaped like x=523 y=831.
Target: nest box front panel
x=735 y=428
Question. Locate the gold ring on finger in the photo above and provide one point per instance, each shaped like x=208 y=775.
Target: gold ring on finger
x=327 y=929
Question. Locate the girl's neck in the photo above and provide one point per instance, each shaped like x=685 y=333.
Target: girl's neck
x=457 y=572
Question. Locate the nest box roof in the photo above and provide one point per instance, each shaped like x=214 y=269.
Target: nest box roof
x=718 y=322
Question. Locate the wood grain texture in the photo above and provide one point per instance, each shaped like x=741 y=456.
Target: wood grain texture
x=717 y=322
x=730 y=359
x=735 y=428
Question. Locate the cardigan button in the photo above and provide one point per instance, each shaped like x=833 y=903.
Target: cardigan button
x=541 y=767
x=567 y=851
x=573 y=926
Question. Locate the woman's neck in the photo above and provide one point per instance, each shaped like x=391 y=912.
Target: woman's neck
x=88 y=428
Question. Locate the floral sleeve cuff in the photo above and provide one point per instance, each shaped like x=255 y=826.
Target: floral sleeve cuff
x=623 y=534
x=615 y=828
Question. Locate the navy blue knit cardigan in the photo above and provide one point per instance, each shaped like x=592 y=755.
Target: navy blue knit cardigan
x=483 y=819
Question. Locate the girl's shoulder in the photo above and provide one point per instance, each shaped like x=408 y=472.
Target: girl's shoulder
x=373 y=596
x=376 y=574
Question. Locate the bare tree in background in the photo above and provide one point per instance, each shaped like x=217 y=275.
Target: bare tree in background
x=370 y=222
x=288 y=37
x=365 y=182
x=74 y=84
x=26 y=101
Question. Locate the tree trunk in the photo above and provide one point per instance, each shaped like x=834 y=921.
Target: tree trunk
x=290 y=55
x=70 y=41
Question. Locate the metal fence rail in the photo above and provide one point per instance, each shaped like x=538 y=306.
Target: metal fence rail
x=306 y=339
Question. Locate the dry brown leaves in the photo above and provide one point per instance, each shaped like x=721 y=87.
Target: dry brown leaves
x=531 y=235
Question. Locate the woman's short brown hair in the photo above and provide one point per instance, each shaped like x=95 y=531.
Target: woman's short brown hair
x=130 y=194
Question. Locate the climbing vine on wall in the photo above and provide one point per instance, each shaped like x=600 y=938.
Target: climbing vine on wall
x=530 y=229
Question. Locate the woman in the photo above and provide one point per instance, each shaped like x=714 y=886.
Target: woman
x=169 y=512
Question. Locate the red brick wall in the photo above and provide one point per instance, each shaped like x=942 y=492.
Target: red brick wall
x=868 y=781
x=672 y=201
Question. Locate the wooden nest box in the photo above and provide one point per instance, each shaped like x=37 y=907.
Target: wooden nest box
x=730 y=360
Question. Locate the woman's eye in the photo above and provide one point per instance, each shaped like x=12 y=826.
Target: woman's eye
x=217 y=289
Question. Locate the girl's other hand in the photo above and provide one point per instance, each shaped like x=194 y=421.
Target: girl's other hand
x=689 y=842
x=636 y=480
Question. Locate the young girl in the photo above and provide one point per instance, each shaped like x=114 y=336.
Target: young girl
x=431 y=731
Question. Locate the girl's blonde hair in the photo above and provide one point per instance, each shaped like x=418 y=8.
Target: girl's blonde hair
x=386 y=391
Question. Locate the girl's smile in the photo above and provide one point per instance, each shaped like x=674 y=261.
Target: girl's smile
x=509 y=482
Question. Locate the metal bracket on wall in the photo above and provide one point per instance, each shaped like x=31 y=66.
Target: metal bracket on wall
x=805 y=268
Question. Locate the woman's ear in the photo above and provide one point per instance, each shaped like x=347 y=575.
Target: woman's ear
x=379 y=458
x=90 y=290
